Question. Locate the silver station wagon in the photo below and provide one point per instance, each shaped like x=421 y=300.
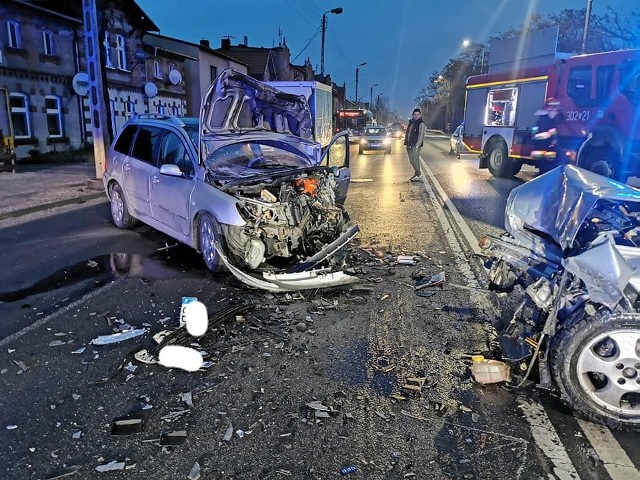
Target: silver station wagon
x=245 y=184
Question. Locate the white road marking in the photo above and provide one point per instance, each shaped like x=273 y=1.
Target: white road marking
x=618 y=465
x=542 y=430
x=547 y=440
x=462 y=225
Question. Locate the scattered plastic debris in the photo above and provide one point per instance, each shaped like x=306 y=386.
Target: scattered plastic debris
x=127 y=425
x=187 y=398
x=63 y=472
x=12 y=427
x=194 y=473
x=436 y=280
x=80 y=350
x=176 y=437
x=414 y=385
x=177 y=356
x=228 y=433
x=111 y=466
x=118 y=337
x=57 y=343
x=348 y=470
x=489 y=371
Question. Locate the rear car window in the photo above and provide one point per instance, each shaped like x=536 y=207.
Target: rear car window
x=123 y=144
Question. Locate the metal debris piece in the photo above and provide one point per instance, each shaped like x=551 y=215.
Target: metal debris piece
x=127 y=425
x=414 y=385
x=286 y=473
x=173 y=438
x=187 y=398
x=316 y=405
x=63 y=472
x=321 y=414
x=131 y=367
x=161 y=335
x=173 y=415
x=228 y=433
x=112 y=465
x=406 y=260
x=21 y=365
x=80 y=350
x=57 y=343
x=143 y=356
x=435 y=281
x=118 y=337
x=77 y=435
x=194 y=473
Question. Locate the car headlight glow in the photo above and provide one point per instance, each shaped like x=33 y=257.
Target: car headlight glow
x=386 y=141
x=363 y=141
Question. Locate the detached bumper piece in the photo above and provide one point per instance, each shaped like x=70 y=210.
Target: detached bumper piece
x=302 y=276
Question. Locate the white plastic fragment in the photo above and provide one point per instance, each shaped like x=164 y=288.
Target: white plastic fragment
x=12 y=427
x=196 y=318
x=194 y=474
x=80 y=350
x=112 y=465
x=228 y=434
x=177 y=356
x=118 y=337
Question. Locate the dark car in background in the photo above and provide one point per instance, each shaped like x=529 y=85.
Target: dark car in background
x=396 y=130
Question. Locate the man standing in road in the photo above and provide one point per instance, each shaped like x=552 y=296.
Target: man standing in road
x=413 y=141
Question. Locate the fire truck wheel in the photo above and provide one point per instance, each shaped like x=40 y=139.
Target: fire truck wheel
x=500 y=165
x=602 y=162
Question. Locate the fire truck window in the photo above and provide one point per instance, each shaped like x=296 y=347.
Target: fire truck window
x=579 y=83
x=501 y=107
x=604 y=79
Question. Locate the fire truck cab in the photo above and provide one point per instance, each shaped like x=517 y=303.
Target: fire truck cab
x=597 y=97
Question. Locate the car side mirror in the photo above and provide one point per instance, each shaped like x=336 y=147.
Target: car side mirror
x=171 y=170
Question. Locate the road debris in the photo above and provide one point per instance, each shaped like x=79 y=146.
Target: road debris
x=228 y=433
x=127 y=425
x=406 y=260
x=347 y=470
x=63 y=472
x=177 y=356
x=436 y=280
x=194 y=473
x=414 y=385
x=173 y=438
x=118 y=337
x=489 y=371
x=111 y=466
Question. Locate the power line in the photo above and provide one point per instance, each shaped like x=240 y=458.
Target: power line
x=313 y=37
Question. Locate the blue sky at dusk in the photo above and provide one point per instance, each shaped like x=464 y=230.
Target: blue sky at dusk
x=402 y=41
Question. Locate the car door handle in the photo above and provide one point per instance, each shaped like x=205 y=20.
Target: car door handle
x=155 y=179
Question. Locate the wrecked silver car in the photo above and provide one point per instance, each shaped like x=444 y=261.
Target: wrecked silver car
x=572 y=252
x=258 y=195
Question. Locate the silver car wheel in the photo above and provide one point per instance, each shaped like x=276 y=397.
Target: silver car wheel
x=621 y=370
x=117 y=207
x=207 y=237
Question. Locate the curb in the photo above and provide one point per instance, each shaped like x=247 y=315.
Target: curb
x=46 y=206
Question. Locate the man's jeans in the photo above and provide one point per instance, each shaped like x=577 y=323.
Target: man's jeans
x=413 y=153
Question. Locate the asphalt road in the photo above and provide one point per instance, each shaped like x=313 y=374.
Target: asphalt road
x=354 y=355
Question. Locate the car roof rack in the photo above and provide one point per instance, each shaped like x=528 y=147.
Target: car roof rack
x=158 y=116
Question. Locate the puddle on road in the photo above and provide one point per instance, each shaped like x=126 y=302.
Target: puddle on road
x=358 y=363
x=105 y=268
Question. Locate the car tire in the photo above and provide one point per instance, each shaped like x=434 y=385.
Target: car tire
x=603 y=162
x=208 y=235
x=500 y=165
x=119 y=209
x=594 y=343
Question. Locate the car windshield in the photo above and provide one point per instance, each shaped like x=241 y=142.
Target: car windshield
x=375 y=132
x=245 y=159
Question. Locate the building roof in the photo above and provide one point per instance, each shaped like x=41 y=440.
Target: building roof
x=256 y=58
x=198 y=45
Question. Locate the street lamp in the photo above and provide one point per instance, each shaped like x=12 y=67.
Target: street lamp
x=357 y=72
x=337 y=11
x=371 y=95
x=467 y=43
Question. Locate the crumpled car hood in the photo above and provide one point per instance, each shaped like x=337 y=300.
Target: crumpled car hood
x=236 y=103
x=557 y=204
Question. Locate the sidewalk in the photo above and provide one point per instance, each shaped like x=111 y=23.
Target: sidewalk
x=36 y=188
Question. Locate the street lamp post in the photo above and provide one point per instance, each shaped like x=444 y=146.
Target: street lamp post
x=466 y=43
x=371 y=96
x=357 y=72
x=337 y=11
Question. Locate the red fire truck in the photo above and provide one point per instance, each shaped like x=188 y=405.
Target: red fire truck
x=598 y=126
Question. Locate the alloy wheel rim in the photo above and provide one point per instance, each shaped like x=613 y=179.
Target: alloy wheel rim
x=117 y=206
x=621 y=371
x=208 y=248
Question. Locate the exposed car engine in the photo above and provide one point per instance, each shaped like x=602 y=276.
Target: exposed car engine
x=292 y=218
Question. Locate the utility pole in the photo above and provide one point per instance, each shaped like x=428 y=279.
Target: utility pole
x=97 y=103
x=357 y=72
x=371 y=96
x=587 y=18
x=323 y=27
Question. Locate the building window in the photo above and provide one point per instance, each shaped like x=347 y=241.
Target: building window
x=47 y=40
x=19 y=103
x=107 y=51
x=13 y=31
x=157 y=70
x=121 y=52
x=129 y=109
x=213 y=70
x=579 y=83
x=54 y=115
